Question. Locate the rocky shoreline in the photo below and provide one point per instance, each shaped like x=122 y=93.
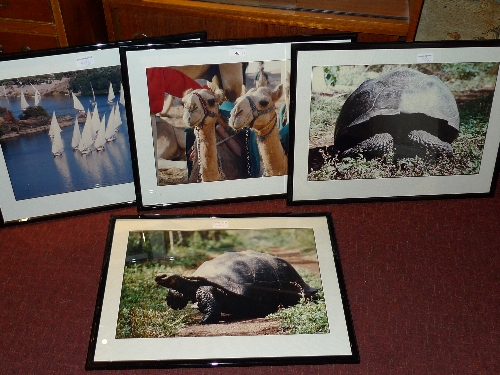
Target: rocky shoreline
x=54 y=88
x=34 y=125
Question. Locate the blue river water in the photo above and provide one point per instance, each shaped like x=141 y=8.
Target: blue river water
x=35 y=172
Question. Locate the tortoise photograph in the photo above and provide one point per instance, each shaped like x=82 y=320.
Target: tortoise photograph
x=383 y=121
x=221 y=283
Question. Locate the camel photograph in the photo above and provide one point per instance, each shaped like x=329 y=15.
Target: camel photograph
x=218 y=122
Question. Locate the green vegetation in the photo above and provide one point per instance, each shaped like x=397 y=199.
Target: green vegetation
x=308 y=316
x=33 y=111
x=98 y=78
x=143 y=312
x=467 y=148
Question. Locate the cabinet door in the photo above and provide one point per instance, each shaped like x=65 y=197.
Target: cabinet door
x=33 y=10
x=17 y=42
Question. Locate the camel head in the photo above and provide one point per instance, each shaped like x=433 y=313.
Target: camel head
x=201 y=106
x=255 y=108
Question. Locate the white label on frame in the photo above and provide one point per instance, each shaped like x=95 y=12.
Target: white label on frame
x=237 y=51
x=425 y=58
x=220 y=224
x=85 y=61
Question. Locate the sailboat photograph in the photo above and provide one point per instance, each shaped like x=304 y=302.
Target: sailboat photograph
x=68 y=111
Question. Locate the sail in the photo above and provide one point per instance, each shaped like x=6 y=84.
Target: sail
x=5 y=93
x=77 y=104
x=76 y=135
x=111 y=94
x=57 y=144
x=122 y=95
x=54 y=126
x=100 y=140
x=38 y=97
x=95 y=123
x=93 y=95
x=24 y=103
x=117 y=117
x=86 y=139
x=110 y=128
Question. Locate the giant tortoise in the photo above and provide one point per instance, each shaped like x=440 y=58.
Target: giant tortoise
x=246 y=283
x=403 y=110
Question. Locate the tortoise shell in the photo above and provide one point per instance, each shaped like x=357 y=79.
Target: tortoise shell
x=397 y=102
x=254 y=275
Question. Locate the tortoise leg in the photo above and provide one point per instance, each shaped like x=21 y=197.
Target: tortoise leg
x=207 y=304
x=430 y=143
x=376 y=146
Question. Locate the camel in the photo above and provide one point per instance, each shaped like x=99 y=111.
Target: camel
x=262 y=79
x=230 y=76
x=200 y=113
x=256 y=110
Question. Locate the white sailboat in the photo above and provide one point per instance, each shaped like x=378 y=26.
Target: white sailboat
x=54 y=126
x=111 y=94
x=5 y=95
x=122 y=95
x=85 y=145
x=75 y=140
x=110 y=128
x=57 y=145
x=77 y=104
x=24 y=103
x=55 y=134
x=38 y=97
x=95 y=123
x=100 y=140
x=92 y=102
x=117 y=117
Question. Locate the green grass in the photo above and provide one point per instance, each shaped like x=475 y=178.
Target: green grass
x=143 y=312
x=467 y=154
x=306 y=317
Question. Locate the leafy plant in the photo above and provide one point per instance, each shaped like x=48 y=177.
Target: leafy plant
x=308 y=316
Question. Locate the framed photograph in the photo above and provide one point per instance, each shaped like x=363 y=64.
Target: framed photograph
x=63 y=131
x=209 y=119
x=210 y=291
x=408 y=120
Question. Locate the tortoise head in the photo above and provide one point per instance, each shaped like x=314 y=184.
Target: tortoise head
x=181 y=289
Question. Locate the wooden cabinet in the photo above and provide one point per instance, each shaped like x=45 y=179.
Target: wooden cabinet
x=384 y=20
x=30 y=25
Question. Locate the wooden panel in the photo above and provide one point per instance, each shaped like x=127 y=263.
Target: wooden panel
x=83 y=21
x=415 y=9
x=384 y=8
x=128 y=20
x=14 y=42
x=38 y=10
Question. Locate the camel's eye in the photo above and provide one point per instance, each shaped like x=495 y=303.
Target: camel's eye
x=263 y=103
x=211 y=102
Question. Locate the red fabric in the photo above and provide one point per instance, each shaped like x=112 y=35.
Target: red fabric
x=166 y=80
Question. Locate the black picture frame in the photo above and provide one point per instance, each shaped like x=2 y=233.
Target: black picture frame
x=318 y=170
x=152 y=148
x=35 y=184
x=113 y=345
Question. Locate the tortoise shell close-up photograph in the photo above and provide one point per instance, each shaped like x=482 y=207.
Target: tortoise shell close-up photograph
x=393 y=120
